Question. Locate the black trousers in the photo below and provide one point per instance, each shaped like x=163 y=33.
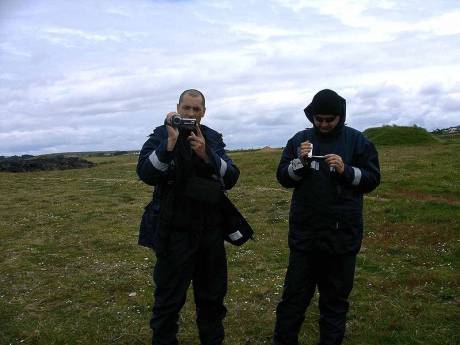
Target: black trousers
x=189 y=259
x=333 y=275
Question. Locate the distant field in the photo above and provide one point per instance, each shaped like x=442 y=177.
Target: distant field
x=71 y=271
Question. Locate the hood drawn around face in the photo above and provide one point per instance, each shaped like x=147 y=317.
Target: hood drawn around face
x=327 y=102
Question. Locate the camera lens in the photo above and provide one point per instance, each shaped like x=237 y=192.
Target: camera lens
x=175 y=120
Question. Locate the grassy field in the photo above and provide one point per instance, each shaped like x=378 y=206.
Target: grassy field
x=71 y=271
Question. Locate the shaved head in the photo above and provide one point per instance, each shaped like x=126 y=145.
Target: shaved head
x=193 y=93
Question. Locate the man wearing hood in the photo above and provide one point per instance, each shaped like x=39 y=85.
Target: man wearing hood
x=330 y=167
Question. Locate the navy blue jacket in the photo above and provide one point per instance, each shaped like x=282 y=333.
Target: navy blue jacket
x=326 y=208
x=155 y=165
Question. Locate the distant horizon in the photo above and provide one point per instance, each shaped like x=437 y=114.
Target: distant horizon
x=227 y=148
x=128 y=151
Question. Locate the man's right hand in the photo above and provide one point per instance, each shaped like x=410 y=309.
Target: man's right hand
x=305 y=149
x=173 y=133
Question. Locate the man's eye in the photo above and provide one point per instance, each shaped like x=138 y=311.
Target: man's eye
x=196 y=109
x=186 y=107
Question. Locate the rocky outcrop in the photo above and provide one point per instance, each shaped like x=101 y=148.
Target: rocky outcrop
x=27 y=163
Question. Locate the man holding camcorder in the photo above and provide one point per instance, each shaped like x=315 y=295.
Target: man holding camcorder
x=187 y=164
x=330 y=167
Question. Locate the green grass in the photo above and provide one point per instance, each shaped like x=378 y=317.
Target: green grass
x=71 y=271
x=400 y=135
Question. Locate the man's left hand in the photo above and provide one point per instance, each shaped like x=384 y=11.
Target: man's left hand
x=198 y=144
x=336 y=162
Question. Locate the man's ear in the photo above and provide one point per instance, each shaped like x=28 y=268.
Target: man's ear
x=177 y=107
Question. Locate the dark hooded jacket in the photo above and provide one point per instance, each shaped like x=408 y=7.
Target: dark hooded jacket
x=326 y=208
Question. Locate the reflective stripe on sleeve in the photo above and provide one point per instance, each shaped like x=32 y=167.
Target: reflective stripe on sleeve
x=157 y=164
x=357 y=178
x=223 y=167
x=292 y=173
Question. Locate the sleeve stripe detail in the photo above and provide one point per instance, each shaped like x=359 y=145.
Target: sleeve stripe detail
x=157 y=164
x=223 y=167
x=357 y=178
x=292 y=174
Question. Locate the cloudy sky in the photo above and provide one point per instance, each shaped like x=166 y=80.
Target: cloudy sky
x=93 y=75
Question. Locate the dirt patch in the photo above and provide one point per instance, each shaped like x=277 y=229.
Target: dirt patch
x=402 y=236
x=376 y=198
x=267 y=189
x=421 y=196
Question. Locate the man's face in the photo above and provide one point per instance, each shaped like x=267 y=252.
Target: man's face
x=191 y=107
x=325 y=123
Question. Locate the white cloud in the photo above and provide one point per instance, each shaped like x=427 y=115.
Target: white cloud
x=69 y=34
x=262 y=32
x=445 y=24
x=357 y=14
x=9 y=48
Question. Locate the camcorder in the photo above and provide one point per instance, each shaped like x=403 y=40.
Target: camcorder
x=181 y=123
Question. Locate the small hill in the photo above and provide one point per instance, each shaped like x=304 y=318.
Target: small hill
x=400 y=135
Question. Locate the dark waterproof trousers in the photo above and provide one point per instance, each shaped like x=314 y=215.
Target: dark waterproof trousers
x=201 y=260
x=333 y=274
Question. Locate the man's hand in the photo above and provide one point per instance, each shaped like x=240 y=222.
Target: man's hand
x=173 y=134
x=336 y=162
x=305 y=149
x=198 y=144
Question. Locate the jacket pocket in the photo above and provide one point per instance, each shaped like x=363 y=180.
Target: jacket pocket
x=349 y=234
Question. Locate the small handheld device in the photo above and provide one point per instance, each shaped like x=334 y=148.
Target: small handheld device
x=180 y=123
x=311 y=157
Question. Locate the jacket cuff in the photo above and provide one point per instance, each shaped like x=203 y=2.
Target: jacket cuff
x=351 y=175
x=219 y=165
x=297 y=165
